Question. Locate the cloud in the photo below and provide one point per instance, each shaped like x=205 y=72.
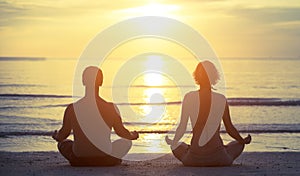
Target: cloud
x=9 y=13
x=19 y=12
x=267 y=14
x=270 y=21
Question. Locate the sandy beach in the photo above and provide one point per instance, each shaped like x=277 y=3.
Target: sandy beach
x=52 y=163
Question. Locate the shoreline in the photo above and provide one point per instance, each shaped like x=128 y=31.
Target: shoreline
x=262 y=142
x=52 y=163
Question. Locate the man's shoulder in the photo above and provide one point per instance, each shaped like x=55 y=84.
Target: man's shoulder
x=105 y=103
x=86 y=100
x=108 y=108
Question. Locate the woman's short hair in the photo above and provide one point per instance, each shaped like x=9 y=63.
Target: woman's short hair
x=206 y=68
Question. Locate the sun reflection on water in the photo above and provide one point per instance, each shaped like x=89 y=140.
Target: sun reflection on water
x=152 y=91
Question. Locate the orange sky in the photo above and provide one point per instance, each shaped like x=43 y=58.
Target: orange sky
x=46 y=28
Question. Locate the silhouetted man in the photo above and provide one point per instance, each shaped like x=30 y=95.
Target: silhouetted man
x=92 y=119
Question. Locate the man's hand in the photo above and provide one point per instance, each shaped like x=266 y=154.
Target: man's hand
x=134 y=135
x=54 y=135
x=247 y=139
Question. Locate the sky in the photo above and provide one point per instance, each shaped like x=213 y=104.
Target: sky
x=234 y=28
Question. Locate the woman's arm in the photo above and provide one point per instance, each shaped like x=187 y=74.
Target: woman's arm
x=181 y=129
x=231 y=130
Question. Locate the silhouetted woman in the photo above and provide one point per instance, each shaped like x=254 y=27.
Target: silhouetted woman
x=206 y=109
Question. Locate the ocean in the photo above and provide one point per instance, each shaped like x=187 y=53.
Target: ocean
x=263 y=94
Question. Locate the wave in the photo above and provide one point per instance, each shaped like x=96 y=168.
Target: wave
x=35 y=96
x=22 y=133
x=29 y=107
x=21 y=85
x=49 y=133
x=22 y=58
x=239 y=101
x=263 y=102
x=31 y=126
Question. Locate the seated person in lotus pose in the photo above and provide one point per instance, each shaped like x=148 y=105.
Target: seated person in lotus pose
x=92 y=119
x=206 y=109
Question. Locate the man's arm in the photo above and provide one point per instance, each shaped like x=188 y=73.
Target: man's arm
x=122 y=131
x=66 y=128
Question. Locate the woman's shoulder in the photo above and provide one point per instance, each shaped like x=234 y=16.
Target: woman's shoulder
x=192 y=94
x=219 y=95
x=195 y=94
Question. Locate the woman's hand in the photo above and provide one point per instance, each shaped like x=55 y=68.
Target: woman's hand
x=54 y=135
x=247 y=139
x=168 y=140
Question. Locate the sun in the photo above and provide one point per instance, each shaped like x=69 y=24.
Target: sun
x=153 y=9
